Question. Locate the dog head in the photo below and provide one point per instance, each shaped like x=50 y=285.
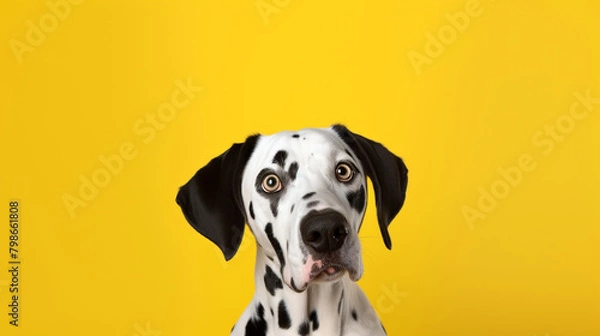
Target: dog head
x=303 y=195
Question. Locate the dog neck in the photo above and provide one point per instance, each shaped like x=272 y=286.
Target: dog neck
x=322 y=306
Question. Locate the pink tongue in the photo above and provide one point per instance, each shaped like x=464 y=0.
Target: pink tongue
x=330 y=270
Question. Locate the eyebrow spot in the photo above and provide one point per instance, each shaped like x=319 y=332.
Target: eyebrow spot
x=280 y=158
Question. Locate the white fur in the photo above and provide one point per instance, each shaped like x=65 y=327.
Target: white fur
x=317 y=152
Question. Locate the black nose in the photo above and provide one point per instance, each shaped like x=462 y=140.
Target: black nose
x=324 y=231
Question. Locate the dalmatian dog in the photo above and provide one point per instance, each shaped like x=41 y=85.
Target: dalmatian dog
x=303 y=195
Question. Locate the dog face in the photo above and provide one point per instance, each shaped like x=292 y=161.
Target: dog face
x=303 y=195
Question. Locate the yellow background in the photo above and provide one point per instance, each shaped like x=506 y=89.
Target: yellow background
x=128 y=263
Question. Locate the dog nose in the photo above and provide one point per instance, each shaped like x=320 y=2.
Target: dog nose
x=324 y=231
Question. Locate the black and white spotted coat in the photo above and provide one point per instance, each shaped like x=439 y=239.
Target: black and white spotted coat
x=283 y=179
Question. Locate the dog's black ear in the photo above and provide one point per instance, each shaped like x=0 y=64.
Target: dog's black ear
x=211 y=200
x=388 y=174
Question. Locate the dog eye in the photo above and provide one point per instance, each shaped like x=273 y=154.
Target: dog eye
x=271 y=184
x=344 y=172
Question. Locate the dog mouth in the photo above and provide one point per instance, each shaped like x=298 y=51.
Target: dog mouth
x=322 y=269
x=320 y=274
x=331 y=270
x=328 y=272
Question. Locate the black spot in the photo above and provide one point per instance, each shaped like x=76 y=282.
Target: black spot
x=293 y=285
x=354 y=316
x=303 y=329
x=357 y=199
x=340 y=303
x=295 y=136
x=283 y=318
x=275 y=243
x=272 y=313
x=257 y=326
x=251 y=210
x=312 y=204
x=274 y=205
x=272 y=281
x=292 y=208
x=293 y=170
x=314 y=319
x=309 y=195
x=280 y=158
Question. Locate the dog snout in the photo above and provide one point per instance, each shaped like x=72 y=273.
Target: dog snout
x=324 y=232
